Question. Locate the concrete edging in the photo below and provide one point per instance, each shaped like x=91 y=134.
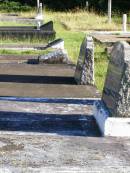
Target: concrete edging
x=110 y=126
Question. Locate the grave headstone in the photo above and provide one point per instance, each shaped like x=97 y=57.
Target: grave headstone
x=84 y=73
x=116 y=94
x=55 y=57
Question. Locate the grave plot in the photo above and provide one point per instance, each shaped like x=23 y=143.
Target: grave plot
x=43 y=32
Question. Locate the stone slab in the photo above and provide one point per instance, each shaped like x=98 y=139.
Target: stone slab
x=53 y=153
x=38 y=70
x=23 y=89
x=18 y=59
x=110 y=39
x=45 y=27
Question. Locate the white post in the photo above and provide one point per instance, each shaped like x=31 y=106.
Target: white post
x=87 y=5
x=38 y=4
x=38 y=24
x=124 y=22
x=40 y=9
x=109 y=10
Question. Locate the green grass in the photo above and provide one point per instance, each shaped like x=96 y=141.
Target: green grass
x=72 y=40
x=25 y=52
x=101 y=64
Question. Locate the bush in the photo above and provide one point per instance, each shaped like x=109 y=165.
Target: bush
x=13 y=6
x=99 y=5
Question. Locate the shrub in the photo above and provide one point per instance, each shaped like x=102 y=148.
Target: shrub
x=12 y=6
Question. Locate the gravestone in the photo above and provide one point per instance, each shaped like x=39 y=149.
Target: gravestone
x=56 y=57
x=84 y=73
x=116 y=94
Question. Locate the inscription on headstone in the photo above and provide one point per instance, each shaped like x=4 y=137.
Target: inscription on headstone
x=84 y=73
x=116 y=94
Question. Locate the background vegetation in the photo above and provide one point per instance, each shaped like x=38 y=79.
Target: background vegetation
x=99 y=5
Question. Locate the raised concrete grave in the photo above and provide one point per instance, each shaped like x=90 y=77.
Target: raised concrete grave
x=84 y=73
x=45 y=31
x=110 y=38
x=115 y=120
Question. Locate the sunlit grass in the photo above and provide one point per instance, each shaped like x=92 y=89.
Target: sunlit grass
x=24 y=52
x=101 y=64
x=83 y=20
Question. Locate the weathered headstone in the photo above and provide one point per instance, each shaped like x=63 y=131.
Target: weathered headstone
x=84 y=73
x=116 y=94
x=55 y=57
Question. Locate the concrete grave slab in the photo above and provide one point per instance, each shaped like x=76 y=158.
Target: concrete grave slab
x=111 y=38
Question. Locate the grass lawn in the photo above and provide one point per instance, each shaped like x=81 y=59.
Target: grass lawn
x=72 y=27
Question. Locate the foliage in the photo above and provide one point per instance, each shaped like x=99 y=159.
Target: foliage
x=99 y=5
x=13 y=6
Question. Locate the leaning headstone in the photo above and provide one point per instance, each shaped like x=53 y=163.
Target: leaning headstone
x=84 y=73
x=116 y=94
x=55 y=57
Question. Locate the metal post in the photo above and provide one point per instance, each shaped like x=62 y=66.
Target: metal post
x=109 y=11
x=124 y=22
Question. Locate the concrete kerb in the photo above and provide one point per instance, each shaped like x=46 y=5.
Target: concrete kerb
x=110 y=126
